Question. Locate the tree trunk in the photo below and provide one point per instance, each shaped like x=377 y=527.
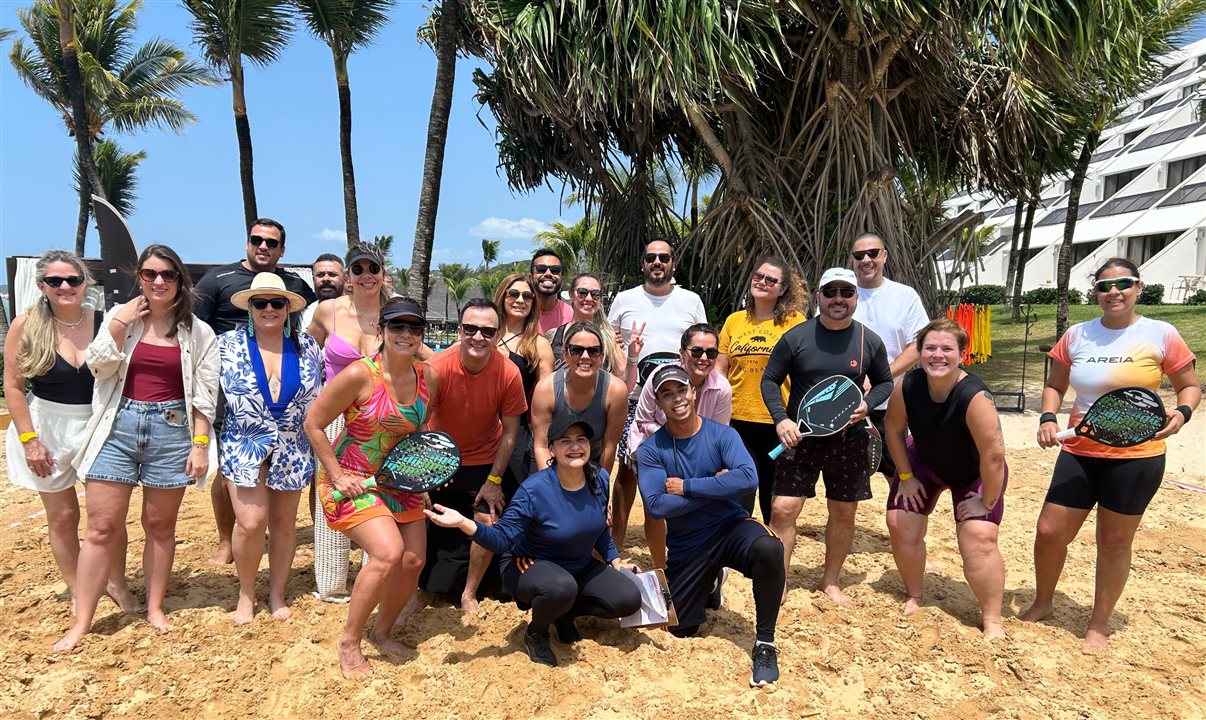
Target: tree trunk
x=89 y=175
x=1023 y=252
x=351 y=215
x=433 y=160
x=1013 y=251
x=243 y=132
x=1064 y=269
x=81 y=227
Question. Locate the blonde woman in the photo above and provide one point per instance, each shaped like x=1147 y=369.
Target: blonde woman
x=45 y=350
x=586 y=298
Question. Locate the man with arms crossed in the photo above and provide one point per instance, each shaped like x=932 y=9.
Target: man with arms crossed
x=832 y=343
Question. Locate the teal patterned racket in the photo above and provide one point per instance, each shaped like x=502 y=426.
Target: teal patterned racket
x=419 y=463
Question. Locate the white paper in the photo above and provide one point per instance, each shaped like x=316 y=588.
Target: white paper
x=653 y=609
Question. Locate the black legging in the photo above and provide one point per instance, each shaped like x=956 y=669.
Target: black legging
x=759 y=439
x=553 y=592
x=765 y=569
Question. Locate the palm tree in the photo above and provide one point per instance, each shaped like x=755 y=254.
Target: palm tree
x=453 y=274
x=577 y=245
x=5 y=33
x=228 y=31
x=345 y=25
x=402 y=281
x=459 y=290
x=127 y=89
x=118 y=173
x=447 y=35
x=489 y=252
x=488 y=281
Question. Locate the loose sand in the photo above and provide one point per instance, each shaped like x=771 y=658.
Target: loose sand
x=858 y=662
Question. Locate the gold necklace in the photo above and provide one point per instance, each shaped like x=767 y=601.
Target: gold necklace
x=64 y=323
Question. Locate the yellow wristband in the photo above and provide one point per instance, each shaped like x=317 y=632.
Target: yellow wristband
x=904 y=476
x=494 y=479
x=201 y=440
x=26 y=437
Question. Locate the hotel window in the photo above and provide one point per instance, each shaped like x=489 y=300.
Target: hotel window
x=1178 y=170
x=1128 y=137
x=1189 y=90
x=1144 y=247
x=1150 y=101
x=1114 y=183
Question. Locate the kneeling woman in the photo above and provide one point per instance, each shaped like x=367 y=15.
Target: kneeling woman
x=383 y=399
x=956 y=443
x=270 y=377
x=545 y=538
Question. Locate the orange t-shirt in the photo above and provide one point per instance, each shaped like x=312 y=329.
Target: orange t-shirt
x=470 y=407
x=1100 y=359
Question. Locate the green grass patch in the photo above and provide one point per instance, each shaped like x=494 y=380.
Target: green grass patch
x=1003 y=372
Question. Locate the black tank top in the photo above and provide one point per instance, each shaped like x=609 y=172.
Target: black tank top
x=595 y=412
x=528 y=375
x=64 y=383
x=940 y=432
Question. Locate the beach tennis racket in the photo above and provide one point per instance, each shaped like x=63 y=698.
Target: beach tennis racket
x=419 y=463
x=652 y=362
x=1121 y=418
x=826 y=408
x=875 y=447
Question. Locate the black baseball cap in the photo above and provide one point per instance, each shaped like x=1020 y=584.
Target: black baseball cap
x=562 y=423
x=404 y=308
x=670 y=372
x=360 y=252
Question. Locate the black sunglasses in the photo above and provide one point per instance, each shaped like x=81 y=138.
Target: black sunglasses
x=256 y=241
x=373 y=268
x=149 y=275
x=277 y=303
x=542 y=269
x=414 y=328
x=698 y=352
x=663 y=257
x=769 y=280
x=846 y=291
x=583 y=292
x=471 y=330
x=525 y=294
x=872 y=253
x=594 y=351
x=55 y=281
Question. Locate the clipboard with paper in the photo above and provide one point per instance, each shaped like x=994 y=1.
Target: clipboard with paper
x=656 y=606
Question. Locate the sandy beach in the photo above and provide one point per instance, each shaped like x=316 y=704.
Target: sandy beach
x=865 y=661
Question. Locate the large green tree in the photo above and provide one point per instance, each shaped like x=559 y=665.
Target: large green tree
x=345 y=26
x=125 y=88
x=229 y=31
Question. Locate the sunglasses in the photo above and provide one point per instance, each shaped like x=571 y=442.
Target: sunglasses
x=263 y=303
x=583 y=293
x=372 y=268
x=845 y=291
x=527 y=295
x=594 y=351
x=662 y=257
x=1122 y=283
x=149 y=275
x=414 y=328
x=542 y=269
x=698 y=352
x=767 y=279
x=256 y=241
x=872 y=253
x=471 y=330
x=55 y=281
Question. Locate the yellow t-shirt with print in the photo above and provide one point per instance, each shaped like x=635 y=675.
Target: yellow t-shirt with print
x=748 y=343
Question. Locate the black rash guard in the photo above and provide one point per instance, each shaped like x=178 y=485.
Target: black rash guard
x=811 y=352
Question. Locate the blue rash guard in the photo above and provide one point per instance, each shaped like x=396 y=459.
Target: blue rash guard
x=544 y=521
x=710 y=504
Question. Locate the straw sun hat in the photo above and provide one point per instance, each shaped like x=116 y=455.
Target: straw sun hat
x=267 y=285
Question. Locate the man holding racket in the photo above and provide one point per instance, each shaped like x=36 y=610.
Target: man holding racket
x=833 y=343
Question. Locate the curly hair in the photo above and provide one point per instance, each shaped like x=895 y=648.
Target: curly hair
x=795 y=290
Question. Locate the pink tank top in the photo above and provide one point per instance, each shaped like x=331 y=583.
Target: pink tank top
x=338 y=352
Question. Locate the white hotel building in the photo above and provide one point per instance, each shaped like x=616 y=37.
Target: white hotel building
x=1144 y=196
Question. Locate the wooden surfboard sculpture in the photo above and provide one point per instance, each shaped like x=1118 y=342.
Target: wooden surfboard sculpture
x=118 y=254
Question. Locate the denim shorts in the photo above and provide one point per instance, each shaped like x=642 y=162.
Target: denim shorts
x=148 y=445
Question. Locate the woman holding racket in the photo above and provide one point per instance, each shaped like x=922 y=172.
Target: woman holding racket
x=270 y=376
x=1119 y=349
x=955 y=444
x=545 y=539
x=382 y=399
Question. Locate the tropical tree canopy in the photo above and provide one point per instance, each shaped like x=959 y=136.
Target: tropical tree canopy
x=119 y=174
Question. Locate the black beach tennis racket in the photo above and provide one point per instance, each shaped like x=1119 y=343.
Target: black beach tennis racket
x=1121 y=418
x=875 y=447
x=419 y=463
x=826 y=408
x=652 y=362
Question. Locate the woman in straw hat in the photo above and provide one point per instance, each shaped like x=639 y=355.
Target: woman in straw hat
x=270 y=376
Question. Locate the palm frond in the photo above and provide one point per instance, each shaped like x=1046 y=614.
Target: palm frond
x=118 y=171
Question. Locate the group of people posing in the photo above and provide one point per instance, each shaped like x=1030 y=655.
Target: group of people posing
x=562 y=412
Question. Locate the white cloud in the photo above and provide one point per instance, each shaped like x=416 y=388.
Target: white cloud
x=332 y=235
x=495 y=228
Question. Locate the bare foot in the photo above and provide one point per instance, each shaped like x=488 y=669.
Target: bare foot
x=244 y=612
x=1095 y=640
x=1037 y=612
x=469 y=602
x=279 y=608
x=912 y=604
x=387 y=645
x=223 y=555
x=351 y=659
x=410 y=608
x=834 y=593
x=68 y=642
x=126 y=600
x=994 y=629
x=158 y=620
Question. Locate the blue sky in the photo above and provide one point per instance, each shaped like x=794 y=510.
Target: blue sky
x=189 y=193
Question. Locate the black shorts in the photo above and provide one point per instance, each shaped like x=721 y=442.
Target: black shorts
x=691 y=577
x=841 y=458
x=1122 y=486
